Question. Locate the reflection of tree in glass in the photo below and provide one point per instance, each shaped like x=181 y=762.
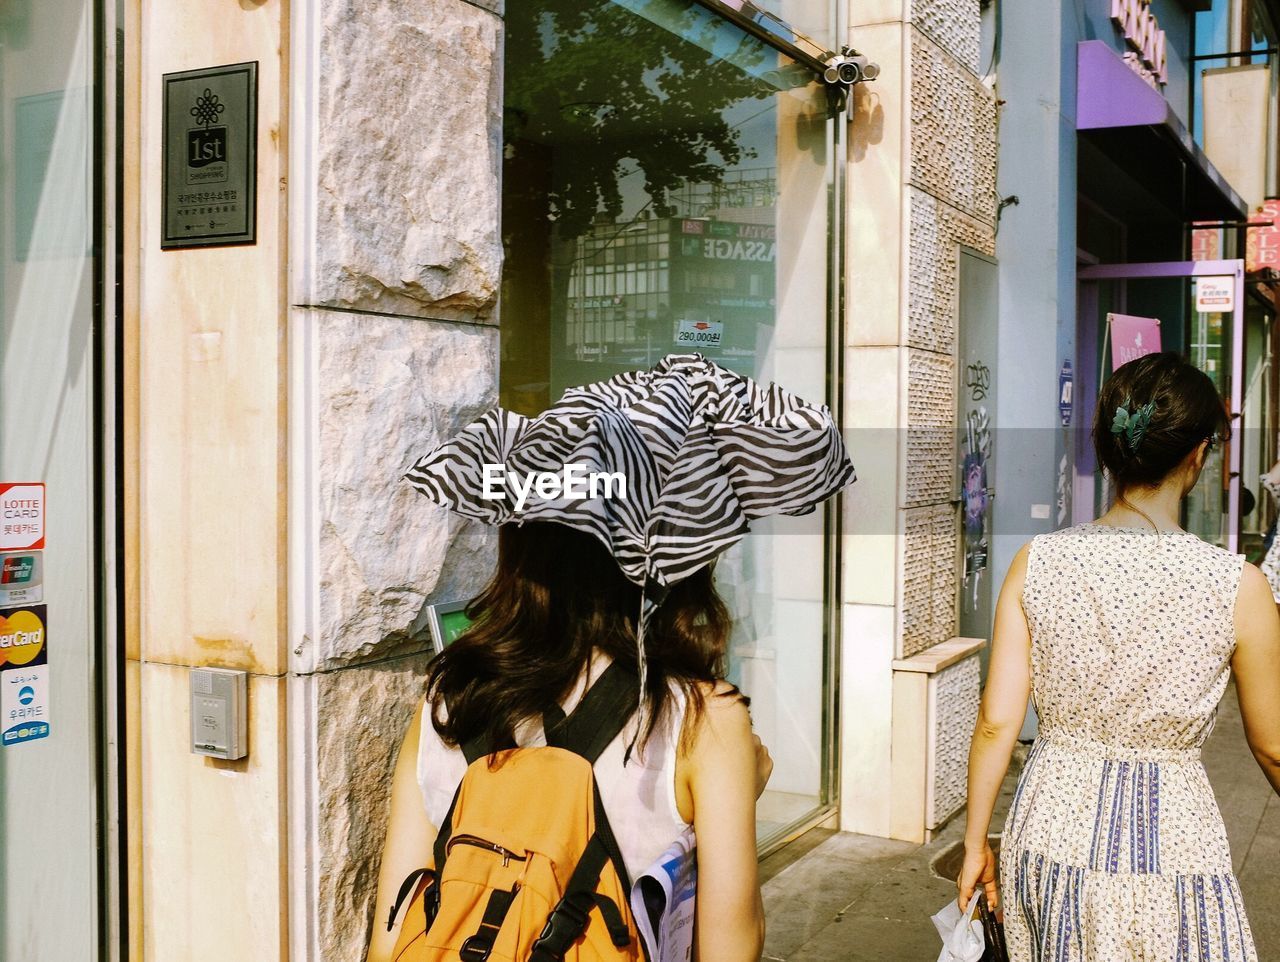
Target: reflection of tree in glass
x=600 y=84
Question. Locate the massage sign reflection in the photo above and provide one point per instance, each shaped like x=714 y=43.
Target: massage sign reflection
x=24 y=648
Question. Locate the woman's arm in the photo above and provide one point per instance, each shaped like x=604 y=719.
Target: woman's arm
x=724 y=772
x=1256 y=664
x=1000 y=717
x=409 y=839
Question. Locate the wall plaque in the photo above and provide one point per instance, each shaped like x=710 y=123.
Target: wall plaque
x=210 y=157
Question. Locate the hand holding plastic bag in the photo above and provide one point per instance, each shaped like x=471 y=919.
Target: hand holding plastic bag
x=962 y=939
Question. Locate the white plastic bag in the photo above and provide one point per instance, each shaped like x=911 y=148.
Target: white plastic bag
x=962 y=938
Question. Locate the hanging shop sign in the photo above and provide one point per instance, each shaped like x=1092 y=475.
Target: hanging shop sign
x=1066 y=387
x=1206 y=242
x=209 y=167
x=22 y=516
x=24 y=674
x=1132 y=337
x=1262 y=243
x=1142 y=33
x=1215 y=295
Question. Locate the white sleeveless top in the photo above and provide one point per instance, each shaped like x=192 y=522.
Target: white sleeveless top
x=640 y=798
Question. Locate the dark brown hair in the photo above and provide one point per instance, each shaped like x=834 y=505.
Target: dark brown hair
x=1186 y=410
x=556 y=595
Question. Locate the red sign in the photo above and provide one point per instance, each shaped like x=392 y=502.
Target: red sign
x=1132 y=337
x=22 y=516
x=1206 y=243
x=1262 y=244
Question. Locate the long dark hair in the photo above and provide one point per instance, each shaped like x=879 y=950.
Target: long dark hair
x=555 y=595
x=1186 y=410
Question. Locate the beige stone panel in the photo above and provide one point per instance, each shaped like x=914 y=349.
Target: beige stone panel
x=211 y=483
x=866 y=707
x=383 y=549
x=359 y=716
x=133 y=802
x=909 y=784
x=131 y=227
x=875 y=221
x=864 y=13
x=214 y=865
x=803 y=234
x=872 y=406
x=406 y=101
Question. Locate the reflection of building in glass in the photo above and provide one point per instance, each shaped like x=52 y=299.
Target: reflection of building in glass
x=702 y=278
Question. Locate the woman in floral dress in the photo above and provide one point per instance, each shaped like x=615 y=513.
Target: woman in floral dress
x=1125 y=631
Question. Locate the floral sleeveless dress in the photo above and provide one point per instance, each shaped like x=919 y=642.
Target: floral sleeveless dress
x=1271 y=563
x=1114 y=848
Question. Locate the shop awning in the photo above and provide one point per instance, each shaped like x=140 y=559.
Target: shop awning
x=1135 y=126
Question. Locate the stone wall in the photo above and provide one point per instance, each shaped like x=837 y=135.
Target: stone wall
x=951 y=202
x=395 y=258
x=921 y=186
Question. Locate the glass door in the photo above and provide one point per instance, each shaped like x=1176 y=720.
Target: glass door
x=1201 y=307
x=667 y=188
x=50 y=693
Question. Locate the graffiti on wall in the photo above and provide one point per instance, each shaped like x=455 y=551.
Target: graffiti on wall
x=975 y=500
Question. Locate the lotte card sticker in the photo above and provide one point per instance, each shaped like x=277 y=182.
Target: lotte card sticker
x=22 y=516
x=24 y=704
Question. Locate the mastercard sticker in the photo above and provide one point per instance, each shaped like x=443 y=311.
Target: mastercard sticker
x=23 y=637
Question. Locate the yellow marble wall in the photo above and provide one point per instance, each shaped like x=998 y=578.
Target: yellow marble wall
x=205 y=497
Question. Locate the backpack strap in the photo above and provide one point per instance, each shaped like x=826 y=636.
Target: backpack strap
x=572 y=914
x=477 y=947
x=601 y=715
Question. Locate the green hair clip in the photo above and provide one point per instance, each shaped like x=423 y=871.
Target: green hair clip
x=1133 y=425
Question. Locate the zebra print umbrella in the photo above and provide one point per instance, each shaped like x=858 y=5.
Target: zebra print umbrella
x=700 y=450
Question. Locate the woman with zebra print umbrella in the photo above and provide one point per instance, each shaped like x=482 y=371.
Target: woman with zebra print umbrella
x=613 y=505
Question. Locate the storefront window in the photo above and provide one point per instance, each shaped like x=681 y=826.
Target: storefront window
x=1209 y=349
x=666 y=189
x=1259 y=433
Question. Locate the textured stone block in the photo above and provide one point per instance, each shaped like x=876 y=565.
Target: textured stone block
x=389 y=389
x=407 y=154
x=937 y=232
x=931 y=428
x=929 y=578
x=954 y=25
x=361 y=715
x=953 y=131
x=955 y=708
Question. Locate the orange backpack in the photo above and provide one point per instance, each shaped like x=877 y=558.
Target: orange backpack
x=525 y=866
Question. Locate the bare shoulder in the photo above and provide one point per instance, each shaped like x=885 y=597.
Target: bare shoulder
x=1254 y=602
x=724 y=717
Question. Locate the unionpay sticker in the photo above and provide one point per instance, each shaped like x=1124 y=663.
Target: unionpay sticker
x=21 y=578
x=24 y=704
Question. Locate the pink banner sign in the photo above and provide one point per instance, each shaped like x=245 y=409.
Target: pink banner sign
x=1262 y=249
x=1132 y=337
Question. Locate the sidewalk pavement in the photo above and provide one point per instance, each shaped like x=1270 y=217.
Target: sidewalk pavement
x=844 y=898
